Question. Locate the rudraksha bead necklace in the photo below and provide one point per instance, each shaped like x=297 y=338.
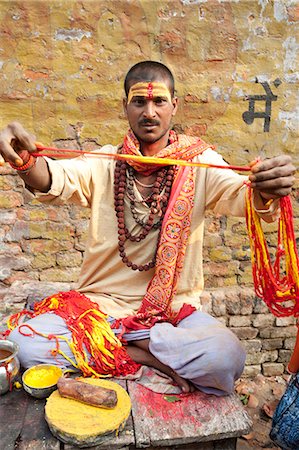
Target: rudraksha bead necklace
x=157 y=201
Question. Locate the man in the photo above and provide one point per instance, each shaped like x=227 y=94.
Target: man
x=143 y=259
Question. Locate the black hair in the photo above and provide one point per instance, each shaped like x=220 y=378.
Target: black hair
x=149 y=71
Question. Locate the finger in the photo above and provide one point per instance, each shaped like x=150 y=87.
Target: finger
x=2 y=162
x=276 y=172
x=25 y=141
x=8 y=153
x=270 y=163
x=276 y=194
x=39 y=146
x=254 y=162
x=274 y=184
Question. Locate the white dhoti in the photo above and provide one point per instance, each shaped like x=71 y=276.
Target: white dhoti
x=200 y=348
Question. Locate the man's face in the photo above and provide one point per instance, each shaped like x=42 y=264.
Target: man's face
x=150 y=110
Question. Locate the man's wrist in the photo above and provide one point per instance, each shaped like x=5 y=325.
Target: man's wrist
x=27 y=165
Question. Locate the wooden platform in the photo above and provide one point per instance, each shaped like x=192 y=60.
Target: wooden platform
x=194 y=422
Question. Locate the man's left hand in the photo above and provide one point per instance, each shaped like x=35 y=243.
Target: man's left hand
x=274 y=177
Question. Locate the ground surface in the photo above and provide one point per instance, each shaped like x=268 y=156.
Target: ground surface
x=261 y=395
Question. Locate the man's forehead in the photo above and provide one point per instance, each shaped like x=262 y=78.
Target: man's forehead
x=157 y=79
x=149 y=90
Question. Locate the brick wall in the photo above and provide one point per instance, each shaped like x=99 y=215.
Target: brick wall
x=61 y=70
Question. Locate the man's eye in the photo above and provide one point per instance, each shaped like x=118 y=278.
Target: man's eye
x=138 y=101
x=160 y=100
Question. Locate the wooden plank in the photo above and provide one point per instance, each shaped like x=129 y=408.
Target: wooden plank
x=196 y=417
x=35 y=434
x=225 y=444
x=124 y=439
x=13 y=406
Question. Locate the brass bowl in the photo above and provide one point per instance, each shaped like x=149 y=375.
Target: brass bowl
x=45 y=390
x=9 y=364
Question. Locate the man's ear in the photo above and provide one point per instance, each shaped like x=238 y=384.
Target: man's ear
x=175 y=102
x=125 y=104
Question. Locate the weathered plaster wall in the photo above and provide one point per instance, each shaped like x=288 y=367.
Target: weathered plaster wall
x=62 y=65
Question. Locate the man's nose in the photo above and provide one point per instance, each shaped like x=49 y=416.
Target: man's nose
x=149 y=109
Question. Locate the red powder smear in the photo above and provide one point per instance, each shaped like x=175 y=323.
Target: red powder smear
x=150 y=91
x=196 y=408
x=180 y=411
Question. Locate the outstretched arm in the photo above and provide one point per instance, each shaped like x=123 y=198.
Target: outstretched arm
x=16 y=144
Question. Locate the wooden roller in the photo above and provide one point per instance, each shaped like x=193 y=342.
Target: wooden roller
x=86 y=393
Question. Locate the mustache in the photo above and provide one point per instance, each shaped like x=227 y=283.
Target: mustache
x=148 y=122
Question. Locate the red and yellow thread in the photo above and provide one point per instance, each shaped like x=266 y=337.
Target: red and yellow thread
x=97 y=351
x=279 y=290
x=53 y=152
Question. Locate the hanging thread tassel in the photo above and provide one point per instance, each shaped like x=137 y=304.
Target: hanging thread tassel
x=280 y=292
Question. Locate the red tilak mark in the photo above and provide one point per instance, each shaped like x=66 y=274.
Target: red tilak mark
x=150 y=91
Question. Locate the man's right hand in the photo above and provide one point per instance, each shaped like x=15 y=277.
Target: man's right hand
x=15 y=144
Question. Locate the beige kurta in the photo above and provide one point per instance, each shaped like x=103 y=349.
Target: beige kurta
x=88 y=181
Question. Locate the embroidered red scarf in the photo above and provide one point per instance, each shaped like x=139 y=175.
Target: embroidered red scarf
x=156 y=303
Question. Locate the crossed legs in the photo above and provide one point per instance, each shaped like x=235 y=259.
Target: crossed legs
x=199 y=352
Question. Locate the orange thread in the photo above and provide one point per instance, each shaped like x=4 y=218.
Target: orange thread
x=56 y=152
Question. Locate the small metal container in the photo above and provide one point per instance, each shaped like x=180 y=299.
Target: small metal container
x=45 y=391
x=9 y=364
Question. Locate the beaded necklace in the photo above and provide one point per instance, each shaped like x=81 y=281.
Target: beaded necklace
x=142 y=184
x=157 y=202
x=150 y=200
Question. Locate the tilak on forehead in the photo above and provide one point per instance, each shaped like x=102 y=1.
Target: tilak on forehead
x=149 y=90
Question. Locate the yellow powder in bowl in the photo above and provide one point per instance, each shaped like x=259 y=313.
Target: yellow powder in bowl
x=42 y=377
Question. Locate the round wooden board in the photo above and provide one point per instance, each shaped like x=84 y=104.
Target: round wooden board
x=76 y=423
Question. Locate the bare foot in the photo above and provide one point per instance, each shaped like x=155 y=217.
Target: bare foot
x=140 y=354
